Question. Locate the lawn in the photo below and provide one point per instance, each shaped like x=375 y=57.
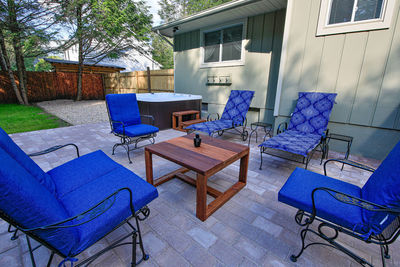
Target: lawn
x=16 y=118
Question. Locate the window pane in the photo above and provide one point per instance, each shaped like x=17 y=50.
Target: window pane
x=368 y=9
x=212 y=42
x=341 y=11
x=232 y=43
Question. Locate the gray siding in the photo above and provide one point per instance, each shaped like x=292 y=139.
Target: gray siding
x=259 y=72
x=363 y=68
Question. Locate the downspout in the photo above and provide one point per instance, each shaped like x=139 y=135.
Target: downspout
x=173 y=52
x=288 y=18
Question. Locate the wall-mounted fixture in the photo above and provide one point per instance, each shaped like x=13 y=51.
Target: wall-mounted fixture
x=222 y=80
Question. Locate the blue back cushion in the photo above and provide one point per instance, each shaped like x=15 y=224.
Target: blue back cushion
x=123 y=107
x=8 y=145
x=30 y=204
x=312 y=112
x=237 y=106
x=383 y=187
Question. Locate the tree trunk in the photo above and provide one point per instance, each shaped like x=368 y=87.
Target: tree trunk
x=19 y=58
x=5 y=65
x=80 y=47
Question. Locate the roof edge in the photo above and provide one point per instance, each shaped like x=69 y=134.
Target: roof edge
x=204 y=13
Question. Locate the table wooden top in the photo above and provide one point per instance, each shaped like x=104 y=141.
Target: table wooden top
x=212 y=156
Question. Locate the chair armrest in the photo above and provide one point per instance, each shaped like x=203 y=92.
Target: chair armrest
x=150 y=117
x=350 y=200
x=284 y=127
x=210 y=117
x=54 y=148
x=118 y=122
x=242 y=121
x=351 y=163
x=92 y=213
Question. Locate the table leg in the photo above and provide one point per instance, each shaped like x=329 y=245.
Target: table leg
x=180 y=122
x=173 y=122
x=244 y=163
x=201 y=198
x=149 y=166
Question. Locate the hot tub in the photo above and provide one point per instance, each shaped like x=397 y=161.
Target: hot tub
x=162 y=105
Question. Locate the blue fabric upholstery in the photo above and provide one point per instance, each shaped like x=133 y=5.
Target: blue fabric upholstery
x=293 y=141
x=85 y=181
x=312 y=112
x=383 y=187
x=307 y=124
x=28 y=202
x=137 y=130
x=124 y=108
x=297 y=193
x=26 y=162
x=234 y=113
x=78 y=186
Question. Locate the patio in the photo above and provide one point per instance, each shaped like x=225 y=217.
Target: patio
x=252 y=229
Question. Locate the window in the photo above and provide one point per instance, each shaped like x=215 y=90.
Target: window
x=223 y=46
x=341 y=16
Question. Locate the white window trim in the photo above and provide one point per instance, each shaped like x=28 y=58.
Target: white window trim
x=366 y=25
x=227 y=63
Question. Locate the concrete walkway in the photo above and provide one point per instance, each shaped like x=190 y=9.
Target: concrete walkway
x=251 y=229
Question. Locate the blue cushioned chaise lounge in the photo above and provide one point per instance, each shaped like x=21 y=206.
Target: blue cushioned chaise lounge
x=370 y=214
x=233 y=117
x=307 y=127
x=74 y=205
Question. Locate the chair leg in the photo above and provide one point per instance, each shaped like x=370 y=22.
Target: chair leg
x=384 y=254
x=303 y=234
x=134 y=242
x=50 y=259
x=261 y=152
x=28 y=241
x=14 y=233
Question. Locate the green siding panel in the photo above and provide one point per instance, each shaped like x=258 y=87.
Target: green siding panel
x=187 y=41
x=268 y=31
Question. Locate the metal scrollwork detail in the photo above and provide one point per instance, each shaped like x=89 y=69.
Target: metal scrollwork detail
x=350 y=200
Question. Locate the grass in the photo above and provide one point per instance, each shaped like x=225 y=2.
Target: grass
x=16 y=118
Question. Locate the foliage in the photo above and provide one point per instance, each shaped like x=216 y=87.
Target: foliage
x=104 y=28
x=18 y=118
x=175 y=9
x=43 y=65
x=162 y=52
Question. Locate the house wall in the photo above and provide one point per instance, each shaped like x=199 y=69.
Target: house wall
x=363 y=68
x=259 y=73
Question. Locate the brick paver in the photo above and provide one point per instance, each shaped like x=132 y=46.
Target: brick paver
x=251 y=229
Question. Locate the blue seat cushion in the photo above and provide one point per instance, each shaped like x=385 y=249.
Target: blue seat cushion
x=137 y=130
x=297 y=191
x=293 y=141
x=84 y=193
x=28 y=202
x=123 y=108
x=25 y=161
x=211 y=126
x=383 y=187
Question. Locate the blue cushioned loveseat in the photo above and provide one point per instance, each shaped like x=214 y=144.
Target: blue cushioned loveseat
x=73 y=205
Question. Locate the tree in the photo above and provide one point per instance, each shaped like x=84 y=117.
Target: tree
x=43 y=65
x=172 y=10
x=162 y=52
x=102 y=28
x=175 y=9
x=26 y=25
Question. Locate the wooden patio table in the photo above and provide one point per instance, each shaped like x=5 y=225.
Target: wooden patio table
x=212 y=156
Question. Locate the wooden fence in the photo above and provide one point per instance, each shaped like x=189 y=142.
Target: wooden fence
x=136 y=82
x=44 y=86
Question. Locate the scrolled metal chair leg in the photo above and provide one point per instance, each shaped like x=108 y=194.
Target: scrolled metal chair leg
x=261 y=152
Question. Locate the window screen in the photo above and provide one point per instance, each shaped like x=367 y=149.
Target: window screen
x=232 y=43
x=341 y=11
x=212 y=42
x=368 y=9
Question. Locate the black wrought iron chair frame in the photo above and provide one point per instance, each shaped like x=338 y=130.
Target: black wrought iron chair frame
x=305 y=219
x=306 y=159
x=126 y=141
x=82 y=218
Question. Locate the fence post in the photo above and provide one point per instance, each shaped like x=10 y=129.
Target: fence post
x=148 y=79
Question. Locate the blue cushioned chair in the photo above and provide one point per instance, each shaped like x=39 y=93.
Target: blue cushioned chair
x=126 y=121
x=234 y=116
x=370 y=213
x=74 y=205
x=307 y=127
